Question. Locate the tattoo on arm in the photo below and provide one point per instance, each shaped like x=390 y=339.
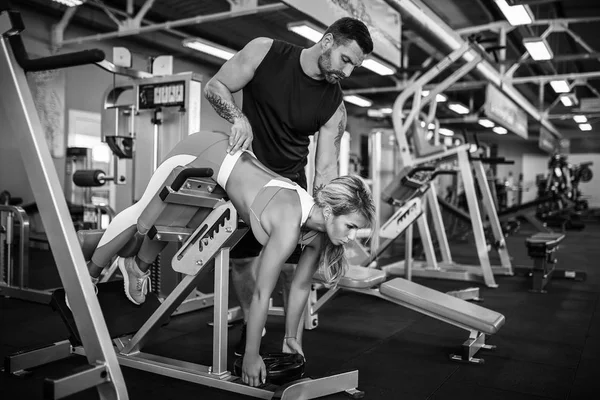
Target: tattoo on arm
x=341 y=130
x=317 y=188
x=226 y=109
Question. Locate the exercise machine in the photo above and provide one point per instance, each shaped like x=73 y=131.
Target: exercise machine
x=191 y=209
x=426 y=153
x=14 y=256
x=564 y=203
x=23 y=127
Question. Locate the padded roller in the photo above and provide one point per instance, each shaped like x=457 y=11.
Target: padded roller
x=89 y=177
x=190 y=173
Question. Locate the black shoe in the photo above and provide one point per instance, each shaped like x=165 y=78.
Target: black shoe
x=240 y=347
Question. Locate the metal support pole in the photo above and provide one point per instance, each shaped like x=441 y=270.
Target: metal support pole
x=408 y=257
x=502 y=52
x=23 y=126
x=438 y=223
x=425 y=235
x=492 y=214
x=58 y=30
x=221 y=290
x=475 y=214
x=375 y=152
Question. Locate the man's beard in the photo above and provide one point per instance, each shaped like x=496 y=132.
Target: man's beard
x=331 y=75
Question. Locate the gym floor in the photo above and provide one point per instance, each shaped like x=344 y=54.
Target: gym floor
x=547 y=349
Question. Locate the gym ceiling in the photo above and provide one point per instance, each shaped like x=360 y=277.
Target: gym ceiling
x=575 y=51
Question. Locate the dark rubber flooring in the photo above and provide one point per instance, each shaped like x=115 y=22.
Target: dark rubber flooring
x=549 y=347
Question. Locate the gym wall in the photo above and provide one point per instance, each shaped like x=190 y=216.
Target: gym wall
x=533 y=165
x=84 y=90
x=514 y=150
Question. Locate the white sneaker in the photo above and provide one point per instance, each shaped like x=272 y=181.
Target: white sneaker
x=94 y=281
x=137 y=283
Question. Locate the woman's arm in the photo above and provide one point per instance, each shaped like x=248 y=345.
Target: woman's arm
x=300 y=288
x=279 y=247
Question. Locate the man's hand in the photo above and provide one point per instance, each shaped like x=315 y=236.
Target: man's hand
x=241 y=135
x=254 y=372
x=291 y=345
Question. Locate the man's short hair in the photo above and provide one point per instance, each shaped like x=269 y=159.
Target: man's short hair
x=346 y=29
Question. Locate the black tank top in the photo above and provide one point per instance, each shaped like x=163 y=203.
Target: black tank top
x=284 y=107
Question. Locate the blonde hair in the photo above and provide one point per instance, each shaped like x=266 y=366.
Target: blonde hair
x=344 y=195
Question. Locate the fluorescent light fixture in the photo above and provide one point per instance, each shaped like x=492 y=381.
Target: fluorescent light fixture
x=458 y=108
x=307 y=30
x=359 y=101
x=378 y=113
x=568 y=99
x=585 y=127
x=374 y=113
x=500 y=130
x=580 y=119
x=378 y=67
x=204 y=46
x=70 y=3
x=515 y=15
x=446 y=132
x=486 y=123
x=560 y=86
x=538 y=48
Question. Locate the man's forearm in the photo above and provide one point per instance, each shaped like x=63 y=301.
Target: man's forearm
x=324 y=175
x=222 y=101
x=328 y=149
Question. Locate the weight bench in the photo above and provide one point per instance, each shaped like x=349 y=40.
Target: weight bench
x=192 y=210
x=542 y=247
x=479 y=321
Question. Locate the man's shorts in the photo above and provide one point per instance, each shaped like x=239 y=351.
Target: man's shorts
x=248 y=246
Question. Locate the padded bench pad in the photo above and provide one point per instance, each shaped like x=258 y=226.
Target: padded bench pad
x=443 y=305
x=548 y=240
x=358 y=277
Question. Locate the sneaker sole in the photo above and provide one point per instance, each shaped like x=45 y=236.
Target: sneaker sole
x=121 y=265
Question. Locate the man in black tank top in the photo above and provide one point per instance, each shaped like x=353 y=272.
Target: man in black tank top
x=289 y=94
